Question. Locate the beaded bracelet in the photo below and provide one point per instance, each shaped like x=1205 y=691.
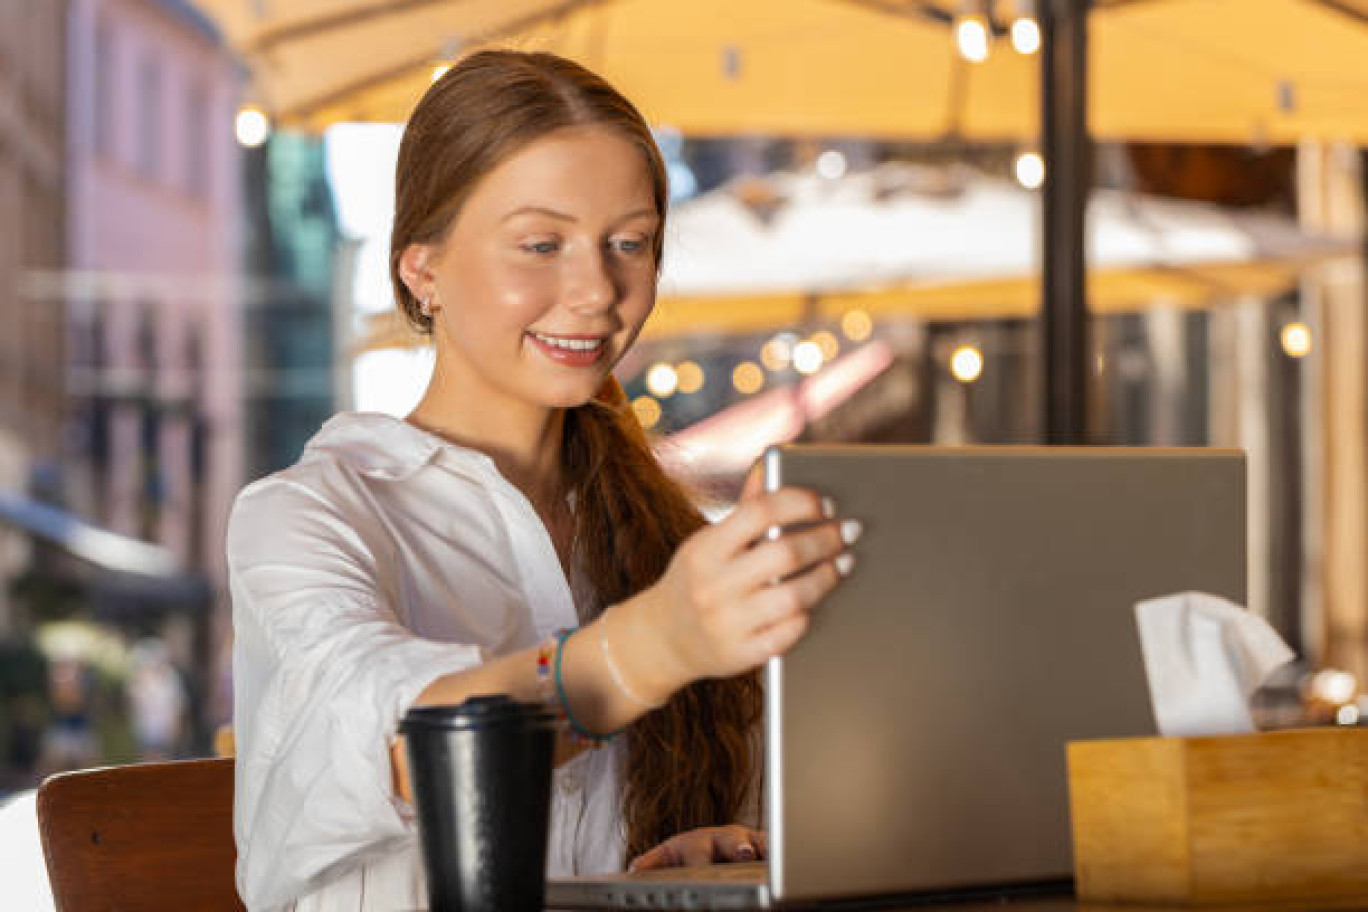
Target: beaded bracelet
x=593 y=739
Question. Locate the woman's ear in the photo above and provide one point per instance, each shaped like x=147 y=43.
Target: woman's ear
x=415 y=269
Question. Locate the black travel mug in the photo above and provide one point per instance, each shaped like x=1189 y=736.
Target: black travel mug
x=481 y=777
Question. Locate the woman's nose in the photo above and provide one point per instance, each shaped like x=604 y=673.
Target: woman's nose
x=592 y=288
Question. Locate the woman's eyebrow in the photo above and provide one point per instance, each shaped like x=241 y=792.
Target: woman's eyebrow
x=566 y=217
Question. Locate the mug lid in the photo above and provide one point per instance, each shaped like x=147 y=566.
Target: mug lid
x=480 y=711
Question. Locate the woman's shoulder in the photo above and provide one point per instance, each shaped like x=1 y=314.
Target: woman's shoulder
x=356 y=465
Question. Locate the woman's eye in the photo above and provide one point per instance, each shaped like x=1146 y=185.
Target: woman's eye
x=628 y=245
x=542 y=247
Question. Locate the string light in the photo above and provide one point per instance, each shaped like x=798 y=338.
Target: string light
x=807 y=357
x=1025 y=29
x=1296 y=340
x=831 y=164
x=777 y=353
x=747 y=377
x=252 y=126
x=647 y=411
x=1030 y=170
x=690 y=376
x=972 y=33
x=966 y=364
x=662 y=380
x=857 y=325
x=828 y=343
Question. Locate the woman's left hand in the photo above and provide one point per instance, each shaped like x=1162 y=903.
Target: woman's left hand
x=706 y=845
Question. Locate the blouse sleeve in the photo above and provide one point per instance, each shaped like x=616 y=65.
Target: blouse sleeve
x=323 y=670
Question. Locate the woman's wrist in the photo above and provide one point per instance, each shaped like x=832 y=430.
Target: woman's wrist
x=641 y=649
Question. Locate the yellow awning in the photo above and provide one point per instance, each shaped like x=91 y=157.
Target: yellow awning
x=1234 y=71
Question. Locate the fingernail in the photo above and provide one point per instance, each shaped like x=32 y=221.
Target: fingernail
x=828 y=508
x=845 y=562
x=851 y=530
x=746 y=853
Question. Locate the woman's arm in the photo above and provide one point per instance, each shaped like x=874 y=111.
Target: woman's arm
x=730 y=599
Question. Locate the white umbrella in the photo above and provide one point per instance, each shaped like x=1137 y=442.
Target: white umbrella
x=900 y=223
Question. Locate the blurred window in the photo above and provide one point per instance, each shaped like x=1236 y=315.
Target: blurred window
x=149 y=116
x=104 y=90
x=197 y=140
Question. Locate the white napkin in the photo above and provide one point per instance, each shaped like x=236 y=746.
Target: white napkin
x=1204 y=657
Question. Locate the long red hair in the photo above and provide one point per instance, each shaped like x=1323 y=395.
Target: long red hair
x=689 y=762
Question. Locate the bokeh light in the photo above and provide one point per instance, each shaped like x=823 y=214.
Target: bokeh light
x=971 y=37
x=747 y=377
x=662 y=380
x=1296 y=340
x=807 y=357
x=252 y=127
x=1026 y=35
x=647 y=411
x=856 y=325
x=828 y=343
x=777 y=353
x=831 y=164
x=1030 y=170
x=691 y=377
x=966 y=364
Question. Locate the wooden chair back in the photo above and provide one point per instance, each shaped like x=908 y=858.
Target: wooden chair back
x=150 y=837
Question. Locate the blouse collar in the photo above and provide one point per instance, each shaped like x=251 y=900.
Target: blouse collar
x=382 y=446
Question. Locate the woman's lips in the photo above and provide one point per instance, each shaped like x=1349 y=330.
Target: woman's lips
x=575 y=351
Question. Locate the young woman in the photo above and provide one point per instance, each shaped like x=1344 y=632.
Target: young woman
x=415 y=561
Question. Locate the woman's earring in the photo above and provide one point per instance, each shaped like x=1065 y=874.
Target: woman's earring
x=425 y=307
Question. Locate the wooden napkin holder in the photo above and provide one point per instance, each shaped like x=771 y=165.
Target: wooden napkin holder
x=1196 y=821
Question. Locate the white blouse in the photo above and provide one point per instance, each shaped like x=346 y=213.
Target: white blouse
x=385 y=558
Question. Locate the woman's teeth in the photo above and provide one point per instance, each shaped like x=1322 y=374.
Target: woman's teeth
x=569 y=344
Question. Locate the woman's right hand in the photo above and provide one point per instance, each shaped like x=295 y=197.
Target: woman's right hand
x=732 y=597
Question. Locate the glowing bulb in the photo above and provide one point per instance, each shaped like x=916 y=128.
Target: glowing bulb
x=807 y=357
x=831 y=164
x=1333 y=686
x=252 y=126
x=439 y=71
x=966 y=364
x=690 y=377
x=1030 y=170
x=828 y=343
x=857 y=325
x=1296 y=340
x=777 y=352
x=971 y=37
x=747 y=377
x=662 y=380
x=647 y=411
x=1025 y=35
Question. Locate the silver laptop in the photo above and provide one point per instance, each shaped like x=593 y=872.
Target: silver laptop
x=915 y=738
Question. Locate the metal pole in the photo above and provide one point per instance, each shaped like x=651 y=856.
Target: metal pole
x=1066 y=149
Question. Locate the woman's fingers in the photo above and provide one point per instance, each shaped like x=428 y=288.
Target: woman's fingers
x=659 y=857
x=705 y=846
x=753 y=519
x=795 y=552
x=735 y=843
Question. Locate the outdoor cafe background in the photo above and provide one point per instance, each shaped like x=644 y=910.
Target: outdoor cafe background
x=195 y=199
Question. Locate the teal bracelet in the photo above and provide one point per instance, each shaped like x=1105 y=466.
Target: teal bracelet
x=578 y=730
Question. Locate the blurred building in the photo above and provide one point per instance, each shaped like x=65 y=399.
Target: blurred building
x=152 y=297
x=299 y=287
x=32 y=56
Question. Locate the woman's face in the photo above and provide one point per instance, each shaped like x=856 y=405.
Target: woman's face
x=548 y=272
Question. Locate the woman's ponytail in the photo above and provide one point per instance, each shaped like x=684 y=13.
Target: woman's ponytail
x=689 y=762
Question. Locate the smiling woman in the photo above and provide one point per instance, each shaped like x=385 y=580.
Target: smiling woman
x=422 y=561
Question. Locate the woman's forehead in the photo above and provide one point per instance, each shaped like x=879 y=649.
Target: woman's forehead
x=575 y=172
